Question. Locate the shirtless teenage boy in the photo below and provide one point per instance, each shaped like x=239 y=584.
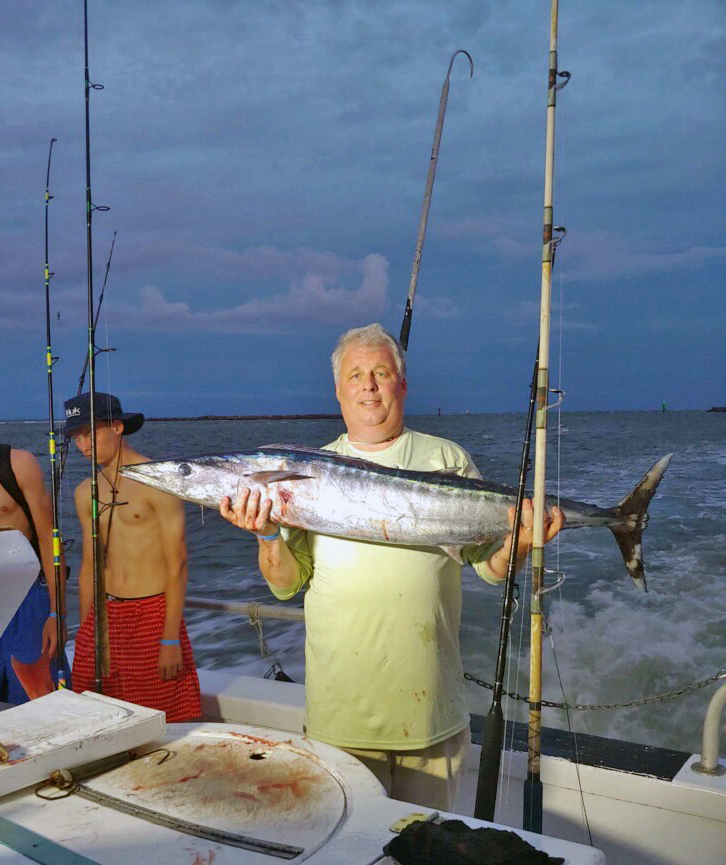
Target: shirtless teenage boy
x=25 y=504
x=144 y=551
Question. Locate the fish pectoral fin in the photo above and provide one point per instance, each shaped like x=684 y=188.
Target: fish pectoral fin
x=275 y=477
x=455 y=553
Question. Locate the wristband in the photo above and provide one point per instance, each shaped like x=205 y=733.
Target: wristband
x=54 y=615
x=169 y=642
x=268 y=537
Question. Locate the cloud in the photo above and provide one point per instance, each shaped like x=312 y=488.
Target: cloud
x=504 y=236
x=314 y=297
x=583 y=255
x=598 y=255
x=23 y=311
x=681 y=323
x=529 y=310
x=258 y=262
x=437 y=307
x=278 y=144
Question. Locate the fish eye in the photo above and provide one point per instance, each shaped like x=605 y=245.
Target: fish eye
x=185 y=469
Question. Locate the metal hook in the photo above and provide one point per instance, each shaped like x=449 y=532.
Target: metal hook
x=273 y=671
x=99 y=350
x=105 y=506
x=165 y=753
x=559 y=401
x=566 y=76
x=62 y=781
x=471 y=62
x=556 y=241
x=546 y=589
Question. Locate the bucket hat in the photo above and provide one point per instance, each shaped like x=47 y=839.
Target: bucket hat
x=107 y=408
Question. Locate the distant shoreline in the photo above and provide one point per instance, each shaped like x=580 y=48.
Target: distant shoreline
x=59 y=421
x=252 y=417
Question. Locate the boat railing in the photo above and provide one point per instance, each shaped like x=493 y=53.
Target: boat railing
x=253 y=609
x=708 y=764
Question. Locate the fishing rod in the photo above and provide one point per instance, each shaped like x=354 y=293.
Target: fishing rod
x=99 y=596
x=54 y=482
x=408 y=314
x=82 y=379
x=532 y=805
x=492 y=729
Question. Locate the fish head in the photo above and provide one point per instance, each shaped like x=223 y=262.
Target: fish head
x=204 y=480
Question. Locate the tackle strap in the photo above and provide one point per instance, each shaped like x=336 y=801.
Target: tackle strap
x=10 y=483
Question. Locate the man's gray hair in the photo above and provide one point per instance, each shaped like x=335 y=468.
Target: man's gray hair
x=371 y=336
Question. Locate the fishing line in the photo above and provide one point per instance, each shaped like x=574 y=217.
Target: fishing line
x=562 y=612
x=574 y=740
x=108 y=359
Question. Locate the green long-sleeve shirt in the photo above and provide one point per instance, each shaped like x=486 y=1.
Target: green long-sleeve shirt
x=383 y=669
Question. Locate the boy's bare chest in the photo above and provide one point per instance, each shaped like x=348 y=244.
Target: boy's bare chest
x=124 y=504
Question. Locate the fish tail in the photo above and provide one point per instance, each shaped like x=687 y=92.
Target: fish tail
x=633 y=511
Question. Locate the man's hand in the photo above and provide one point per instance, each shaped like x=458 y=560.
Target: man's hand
x=499 y=562
x=552 y=525
x=248 y=512
x=170 y=662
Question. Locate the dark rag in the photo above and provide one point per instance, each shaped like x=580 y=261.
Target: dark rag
x=454 y=843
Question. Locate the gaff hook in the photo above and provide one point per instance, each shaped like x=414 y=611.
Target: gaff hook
x=428 y=191
x=471 y=63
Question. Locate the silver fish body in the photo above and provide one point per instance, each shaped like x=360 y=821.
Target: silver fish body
x=347 y=497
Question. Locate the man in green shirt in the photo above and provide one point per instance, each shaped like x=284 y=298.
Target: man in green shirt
x=383 y=676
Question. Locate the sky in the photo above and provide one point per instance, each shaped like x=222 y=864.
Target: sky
x=264 y=164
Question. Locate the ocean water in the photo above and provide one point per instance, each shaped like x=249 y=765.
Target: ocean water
x=612 y=643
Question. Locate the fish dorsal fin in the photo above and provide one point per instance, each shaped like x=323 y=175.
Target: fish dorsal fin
x=454 y=553
x=301 y=449
x=276 y=477
x=305 y=451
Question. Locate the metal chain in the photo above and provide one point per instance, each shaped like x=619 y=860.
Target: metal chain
x=275 y=670
x=584 y=707
x=254 y=620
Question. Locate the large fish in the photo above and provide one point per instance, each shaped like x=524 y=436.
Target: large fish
x=353 y=498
